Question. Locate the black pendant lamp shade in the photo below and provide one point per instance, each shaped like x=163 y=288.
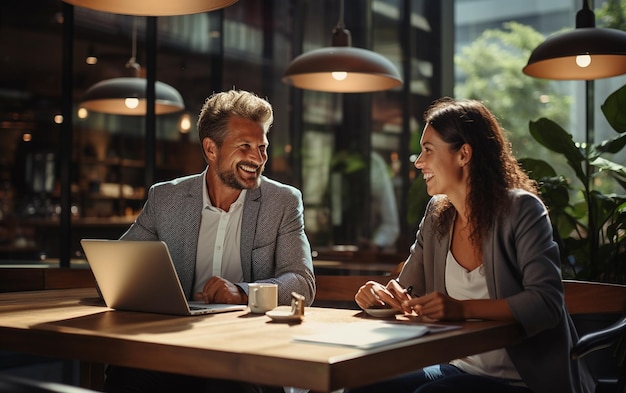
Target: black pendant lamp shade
x=127 y=96
x=342 y=68
x=152 y=7
x=584 y=53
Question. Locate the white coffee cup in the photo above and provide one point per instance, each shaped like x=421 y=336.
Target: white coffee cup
x=262 y=297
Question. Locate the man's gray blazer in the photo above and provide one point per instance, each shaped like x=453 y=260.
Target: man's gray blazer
x=274 y=246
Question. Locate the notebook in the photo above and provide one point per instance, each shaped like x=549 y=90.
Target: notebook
x=140 y=276
x=363 y=335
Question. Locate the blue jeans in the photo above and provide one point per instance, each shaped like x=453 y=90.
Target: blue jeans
x=440 y=378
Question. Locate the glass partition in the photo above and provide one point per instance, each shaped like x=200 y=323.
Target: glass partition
x=350 y=154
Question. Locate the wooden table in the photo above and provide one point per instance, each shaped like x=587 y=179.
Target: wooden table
x=73 y=324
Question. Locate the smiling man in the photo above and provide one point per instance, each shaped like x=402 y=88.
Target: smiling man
x=225 y=227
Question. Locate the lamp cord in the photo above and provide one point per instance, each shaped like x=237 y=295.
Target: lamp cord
x=341 y=36
x=340 y=22
x=132 y=62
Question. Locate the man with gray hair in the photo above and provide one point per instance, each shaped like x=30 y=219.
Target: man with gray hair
x=225 y=227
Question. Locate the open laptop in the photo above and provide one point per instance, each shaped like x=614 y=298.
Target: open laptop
x=140 y=276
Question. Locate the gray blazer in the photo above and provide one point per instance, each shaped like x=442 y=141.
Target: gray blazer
x=521 y=263
x=274 y=246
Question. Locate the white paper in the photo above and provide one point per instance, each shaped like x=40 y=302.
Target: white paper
x=363 y=335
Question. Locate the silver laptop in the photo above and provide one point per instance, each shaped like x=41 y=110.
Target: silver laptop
x=140 y=276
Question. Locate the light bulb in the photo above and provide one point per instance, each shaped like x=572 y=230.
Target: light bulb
x=339 y=75
x=583 y=60
x=82 y=113
x=185 y=123
x=131 y=102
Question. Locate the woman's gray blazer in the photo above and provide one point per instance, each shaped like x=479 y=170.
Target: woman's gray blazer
x=521 y=263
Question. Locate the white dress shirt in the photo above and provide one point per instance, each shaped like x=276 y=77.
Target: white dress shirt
x=218 y=252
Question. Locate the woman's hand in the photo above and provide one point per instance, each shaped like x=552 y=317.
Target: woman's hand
x=436 y=306
x=374 y=294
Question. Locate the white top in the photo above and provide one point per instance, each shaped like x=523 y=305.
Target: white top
x=463 y=285
x=218 y=252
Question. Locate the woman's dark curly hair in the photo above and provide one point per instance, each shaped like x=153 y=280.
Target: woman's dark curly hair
x=493 y=170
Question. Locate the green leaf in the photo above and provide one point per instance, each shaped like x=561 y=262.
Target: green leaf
x=605 y=205
x=612 y=145
x=537 y=169
x=564 y=224
x=579 y=210
x=613 y=109
x=555 y=138
x=618 y=170
x=555 y=192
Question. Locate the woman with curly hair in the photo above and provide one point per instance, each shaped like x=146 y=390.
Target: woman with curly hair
x=484 y=250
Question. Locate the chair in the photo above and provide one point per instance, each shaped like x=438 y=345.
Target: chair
x=9 y=383
x=588 y=298
x=600 y=339
x=338 y=291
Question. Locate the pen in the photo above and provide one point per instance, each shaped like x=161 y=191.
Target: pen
x=409 y=290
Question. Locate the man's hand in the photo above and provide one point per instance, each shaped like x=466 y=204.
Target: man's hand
x=219 y=290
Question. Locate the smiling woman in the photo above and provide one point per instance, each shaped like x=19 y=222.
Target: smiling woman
x=484 y=250
x=443 y=166
x=480 y=165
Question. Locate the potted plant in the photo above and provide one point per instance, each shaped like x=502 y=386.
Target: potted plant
x=590 y=223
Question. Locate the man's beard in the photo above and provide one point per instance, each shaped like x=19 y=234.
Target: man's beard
x=229 y=178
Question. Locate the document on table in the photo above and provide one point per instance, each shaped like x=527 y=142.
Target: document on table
x=363 y=335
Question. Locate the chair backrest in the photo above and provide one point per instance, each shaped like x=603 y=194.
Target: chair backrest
x=343 y=288
x=14 y=279
x=581 y=297
x=599 y=312
x=585 y=297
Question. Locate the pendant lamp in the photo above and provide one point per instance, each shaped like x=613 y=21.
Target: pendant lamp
x=584 y=53
x=127 y=95
x=342 y=68
x=153 y=7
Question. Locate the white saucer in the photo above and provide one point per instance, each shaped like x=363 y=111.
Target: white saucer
x=283 y=315
x=382 y=312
